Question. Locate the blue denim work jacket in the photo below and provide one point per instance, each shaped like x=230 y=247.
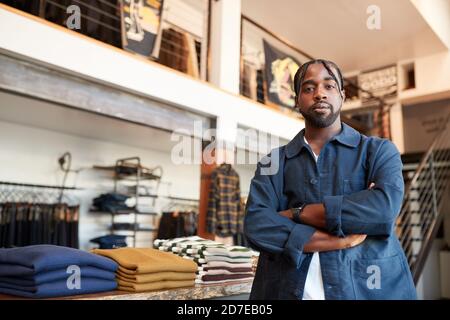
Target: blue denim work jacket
x=288 y=177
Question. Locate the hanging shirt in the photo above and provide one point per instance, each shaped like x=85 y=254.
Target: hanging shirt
x=314 y=282
x=224 y=216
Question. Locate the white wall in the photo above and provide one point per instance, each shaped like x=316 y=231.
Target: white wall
x=29 y=155
x=225 y=44
x=437 y=14
x=432 y=77
x=419 y=124
x=429 y=286
x=186 y=15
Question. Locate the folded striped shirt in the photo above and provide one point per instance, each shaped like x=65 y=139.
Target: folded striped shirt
x=227 y=259
x=231 y=251
x=173 y=242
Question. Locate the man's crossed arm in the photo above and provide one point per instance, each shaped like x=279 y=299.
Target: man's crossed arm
x=314 y=215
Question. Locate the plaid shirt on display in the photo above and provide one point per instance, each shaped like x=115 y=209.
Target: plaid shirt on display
x=224 y=217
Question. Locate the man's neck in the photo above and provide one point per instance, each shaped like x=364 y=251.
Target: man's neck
x=322 y=135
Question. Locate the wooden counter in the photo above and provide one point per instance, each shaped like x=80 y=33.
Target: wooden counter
x=197 y=292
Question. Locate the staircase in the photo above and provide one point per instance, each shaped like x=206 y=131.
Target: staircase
x=426 y=192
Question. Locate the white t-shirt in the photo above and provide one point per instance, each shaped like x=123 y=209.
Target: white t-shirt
x=314 y=282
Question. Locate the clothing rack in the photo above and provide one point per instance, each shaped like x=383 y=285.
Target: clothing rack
x=177 y=223
x=28 y=192
x=33 y=214
x=36 y=185
x=182 y=199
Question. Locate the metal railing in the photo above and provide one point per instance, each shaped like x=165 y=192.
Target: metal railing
x=424 y=202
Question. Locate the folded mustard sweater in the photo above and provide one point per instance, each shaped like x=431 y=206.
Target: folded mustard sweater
x=155 y=276
x=135 y=261
x=158 y=285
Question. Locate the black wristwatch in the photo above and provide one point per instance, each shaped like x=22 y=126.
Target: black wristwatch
x=296 y=213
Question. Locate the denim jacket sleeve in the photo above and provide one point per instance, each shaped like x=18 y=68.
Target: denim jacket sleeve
x=265 y=229
x=372 y=212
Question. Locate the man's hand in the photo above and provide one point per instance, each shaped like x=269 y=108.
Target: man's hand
x=286 y=213
x=314 y=214
x=353 y=240
x=322 y=241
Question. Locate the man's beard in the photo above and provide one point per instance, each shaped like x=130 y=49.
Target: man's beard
x=320 y=120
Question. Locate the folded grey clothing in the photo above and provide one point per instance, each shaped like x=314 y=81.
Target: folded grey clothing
x=220 y=277
x=31 y=260
x=199 y=281
x=214 y=272
x=227 y=264
x=55 y=275
x=60 y=288
x=226 y=259
x=229 y=251
x=236 y=270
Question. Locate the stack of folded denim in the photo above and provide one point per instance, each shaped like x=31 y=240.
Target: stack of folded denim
x=217 y=262
x=110 y=241
x=44 y=271
x=145 y=269
x=111 y=202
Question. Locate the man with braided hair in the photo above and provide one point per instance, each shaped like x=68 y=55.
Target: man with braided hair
x=324 y=221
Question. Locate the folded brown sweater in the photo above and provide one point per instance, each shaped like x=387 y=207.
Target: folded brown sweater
x=155 y=276
x=158 y=285
x=135 y=261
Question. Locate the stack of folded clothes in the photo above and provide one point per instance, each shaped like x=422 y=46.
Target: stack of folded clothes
x=110 y=241
x=217 y=263
x=44 y=271
x=111 y=202
x=145 y=269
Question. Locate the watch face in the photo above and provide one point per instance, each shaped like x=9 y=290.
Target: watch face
x=296 y=214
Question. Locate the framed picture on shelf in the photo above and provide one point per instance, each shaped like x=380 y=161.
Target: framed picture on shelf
x=140 y=24
x=280 y=69
x=381 y=83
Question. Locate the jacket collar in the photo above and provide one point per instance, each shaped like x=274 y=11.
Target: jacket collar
x=348 y=137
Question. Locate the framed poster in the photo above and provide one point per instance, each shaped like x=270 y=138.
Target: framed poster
x=381 y=83
x=280 y=71
x=141 y=20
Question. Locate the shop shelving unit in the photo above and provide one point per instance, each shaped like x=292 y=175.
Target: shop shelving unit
x=131 y=170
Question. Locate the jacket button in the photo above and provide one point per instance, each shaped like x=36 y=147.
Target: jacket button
x=313 y=181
